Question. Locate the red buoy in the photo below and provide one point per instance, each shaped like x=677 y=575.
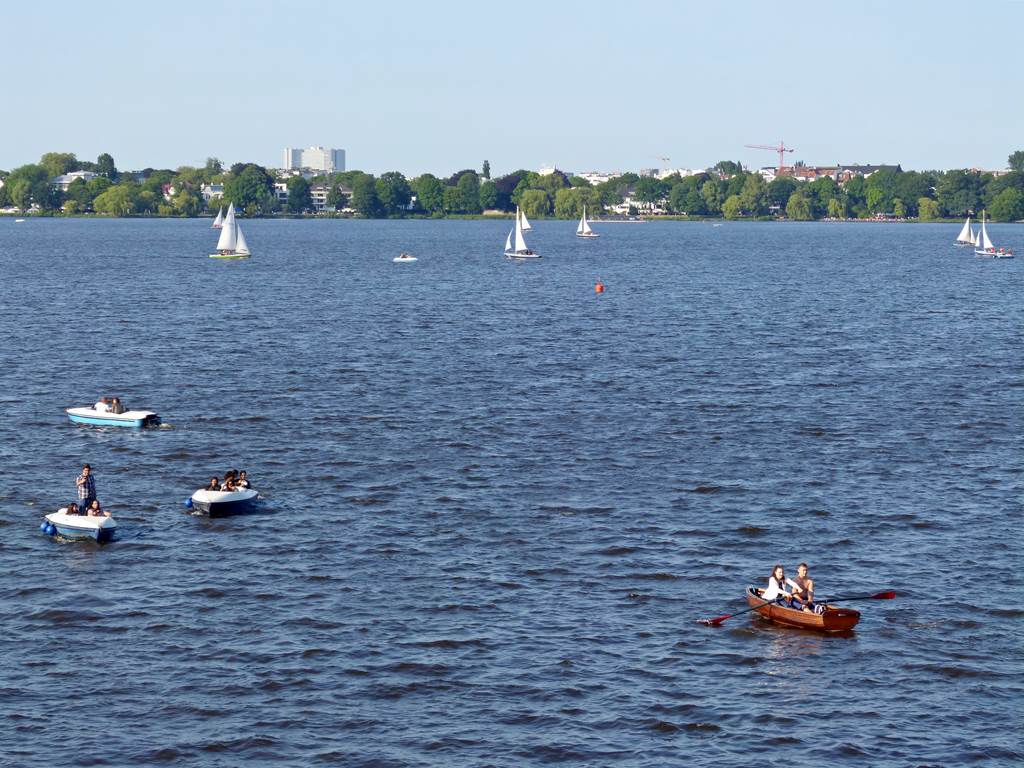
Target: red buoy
x=599 y=288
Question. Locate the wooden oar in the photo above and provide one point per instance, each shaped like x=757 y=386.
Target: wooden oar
x=878 y=596
x=719 y=619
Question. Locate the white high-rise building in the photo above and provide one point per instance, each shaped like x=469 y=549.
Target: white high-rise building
x=316 y=158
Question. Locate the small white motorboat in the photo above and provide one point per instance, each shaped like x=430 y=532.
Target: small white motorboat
x=404 y=257
x=60 y=523
x=223 y=503
x=89 y=415
x=19 y=221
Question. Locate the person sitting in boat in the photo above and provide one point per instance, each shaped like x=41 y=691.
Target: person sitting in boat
x=116 y=406
x=229 y=477
x=102 y=405
x=229 y=484
x=214 y=484
x=243 y=480
x=776 y=589
x=72 y=509
x=803 y=589
x=96 y=511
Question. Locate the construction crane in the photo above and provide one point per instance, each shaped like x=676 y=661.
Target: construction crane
x=781 y=149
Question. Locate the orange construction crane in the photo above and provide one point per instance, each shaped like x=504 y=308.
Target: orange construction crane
x=781 y=149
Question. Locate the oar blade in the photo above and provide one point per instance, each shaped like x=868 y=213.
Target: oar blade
x=715 y=621
x=884 y=595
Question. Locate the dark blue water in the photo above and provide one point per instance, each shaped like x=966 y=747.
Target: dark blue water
x=496 y=502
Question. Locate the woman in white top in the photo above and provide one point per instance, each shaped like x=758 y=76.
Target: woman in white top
x=777 y=584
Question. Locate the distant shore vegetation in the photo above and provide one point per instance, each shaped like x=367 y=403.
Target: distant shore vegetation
x=727 y=190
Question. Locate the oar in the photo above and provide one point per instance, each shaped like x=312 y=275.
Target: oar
x=719 y=619
x=878 y=596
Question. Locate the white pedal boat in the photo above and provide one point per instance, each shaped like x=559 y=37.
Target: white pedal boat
x=60 y=523
x=223 y=503
x=404 y=257
x=89 y=415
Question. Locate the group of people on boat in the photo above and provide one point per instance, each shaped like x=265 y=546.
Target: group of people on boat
x=795 y=593
x=87 y=503
x=109 y=405
x=999 y=252
x=234 y=480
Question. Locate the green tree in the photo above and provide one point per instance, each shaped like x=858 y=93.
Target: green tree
x=187 y=201
x=535 y=202
x=299 y=198
x=837 y=208
x=469 y=193
x=251 y=189
x=732 y=208
x=1008 y=205
x=452 y=200
x=780 y=189
x=648 y=191
x=714 y=196
x=394 y=192
x=429 y=193
x=364 y=197
x=754 y=195
x=486 y=170
x=105 y=166
x=336 y=198
x=798 y=207
x=928 y=209
x=1015 y=162
x=29 y=185
x=488 y=195
x=119 y=200
x=899 y=208
x=79 y=194
x=59 y=163
x=727 y=168
x=819 y=192
x=98 y=186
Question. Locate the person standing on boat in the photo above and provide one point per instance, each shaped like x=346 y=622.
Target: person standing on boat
x=803 y=589
x=777 y=587
x=86 y=488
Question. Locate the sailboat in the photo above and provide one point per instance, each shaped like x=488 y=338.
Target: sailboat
x=966 y=236
x=526 y=224
x=584 y=230
x=520 y=251
x=983 y=246
x=231 y=244
x=219 y=221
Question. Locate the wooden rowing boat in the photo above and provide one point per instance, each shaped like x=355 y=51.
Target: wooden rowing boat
x=832 y=620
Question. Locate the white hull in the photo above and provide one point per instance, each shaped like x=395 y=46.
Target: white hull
x=514 y=255
x=590 y=234
x=230 y=255
x=403 y=260
x=991 y=255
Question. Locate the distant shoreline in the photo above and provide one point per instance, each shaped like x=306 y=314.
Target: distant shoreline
x=494 y=217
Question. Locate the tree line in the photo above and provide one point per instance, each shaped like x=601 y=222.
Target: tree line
x=726 y=190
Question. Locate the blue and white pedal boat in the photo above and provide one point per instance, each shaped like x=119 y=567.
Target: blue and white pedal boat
x=224 y=503
x=60 y=523
x=107 y=419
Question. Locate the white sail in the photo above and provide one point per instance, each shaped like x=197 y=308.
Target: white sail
x=977 y=239
x=241 y=247
x=586 y=224
x=965 y=235
x=520 y=242
x=228 y=231
x=583 y=223
x=508 y=241
x=986 y=244
x=219 y=221
x=526 y=224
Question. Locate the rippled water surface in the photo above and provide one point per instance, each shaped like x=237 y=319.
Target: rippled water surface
x=496 y=502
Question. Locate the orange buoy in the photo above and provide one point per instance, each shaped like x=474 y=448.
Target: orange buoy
x=599 y=288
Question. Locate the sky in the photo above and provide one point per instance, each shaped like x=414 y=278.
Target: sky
x=438 y=87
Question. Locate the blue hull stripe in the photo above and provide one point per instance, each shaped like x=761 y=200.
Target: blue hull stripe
x=105 y=422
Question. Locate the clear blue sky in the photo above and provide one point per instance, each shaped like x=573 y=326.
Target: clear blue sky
x=418 y=86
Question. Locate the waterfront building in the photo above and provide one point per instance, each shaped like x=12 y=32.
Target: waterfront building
x=315 y=158
x=63 y=182
x=211 y=191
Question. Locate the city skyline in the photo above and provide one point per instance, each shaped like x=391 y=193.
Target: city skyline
x=417 y=90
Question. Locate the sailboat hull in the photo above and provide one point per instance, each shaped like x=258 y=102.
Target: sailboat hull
x=514 y=255
x=587 y=234
x=228 y=256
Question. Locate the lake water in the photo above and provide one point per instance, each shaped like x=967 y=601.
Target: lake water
x=497 y=502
